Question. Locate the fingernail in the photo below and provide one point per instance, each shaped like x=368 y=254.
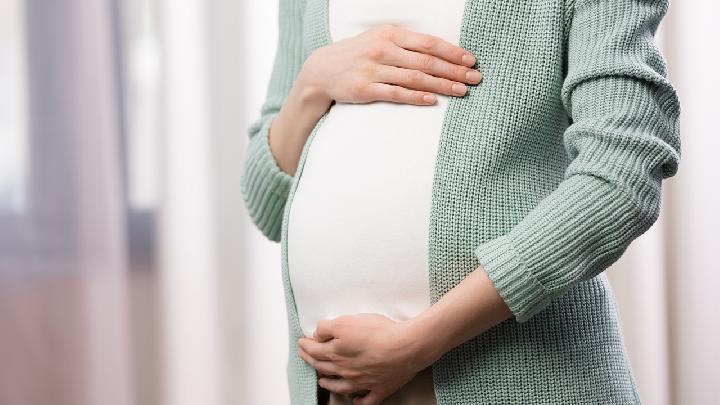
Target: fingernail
x=429 y=98
x=473 y=76
x=468 y=59
x=459 y=88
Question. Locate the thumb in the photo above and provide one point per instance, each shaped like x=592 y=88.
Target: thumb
x=323 y=331
x=372 y=398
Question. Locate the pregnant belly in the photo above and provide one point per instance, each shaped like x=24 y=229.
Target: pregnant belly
x=359 y=217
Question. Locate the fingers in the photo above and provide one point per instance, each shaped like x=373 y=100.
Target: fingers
x=323 y=331
x=322 y=366
x=398 y=94
x=432 y=65
x=322 y=337
x=318 y=350
x=430 y=44
x=417 y=80
x=339 y=385
x=372 y=398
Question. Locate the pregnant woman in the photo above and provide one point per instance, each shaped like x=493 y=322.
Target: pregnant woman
x=449 y=181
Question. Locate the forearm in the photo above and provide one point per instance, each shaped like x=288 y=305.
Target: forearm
x=469 y=309
x=293 y=124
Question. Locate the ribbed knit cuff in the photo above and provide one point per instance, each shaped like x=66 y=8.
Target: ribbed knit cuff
x=572 y=235
x=522 y=292
x=264 y=186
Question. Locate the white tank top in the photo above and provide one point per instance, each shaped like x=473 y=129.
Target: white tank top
x=358 y=232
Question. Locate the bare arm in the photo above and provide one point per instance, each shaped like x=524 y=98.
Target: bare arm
x=469 y=309
x=294 y=122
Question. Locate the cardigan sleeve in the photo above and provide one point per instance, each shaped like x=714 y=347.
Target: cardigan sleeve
x=623 y=140
x=264 y=186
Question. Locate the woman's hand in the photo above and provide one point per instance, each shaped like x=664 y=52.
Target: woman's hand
x=367 y=352
x=384 y=63
x=372 y=352
x=389 y=63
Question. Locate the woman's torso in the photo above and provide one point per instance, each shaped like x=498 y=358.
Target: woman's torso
x=359 y=219
x=501 y=151
x=358 y=224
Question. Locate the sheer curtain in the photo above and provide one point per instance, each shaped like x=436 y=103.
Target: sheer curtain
x=108 y=271
x=63 y=281
x=667 y=281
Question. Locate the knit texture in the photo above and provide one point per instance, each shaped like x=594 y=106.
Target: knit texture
x=545 y=173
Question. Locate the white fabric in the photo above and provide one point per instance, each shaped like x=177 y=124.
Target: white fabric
x=357 y=233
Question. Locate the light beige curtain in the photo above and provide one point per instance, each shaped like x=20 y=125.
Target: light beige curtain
x=667 y=283
x=64 y=336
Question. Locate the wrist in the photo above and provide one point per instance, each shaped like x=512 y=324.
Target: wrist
x=310 y=95
x=424 y=339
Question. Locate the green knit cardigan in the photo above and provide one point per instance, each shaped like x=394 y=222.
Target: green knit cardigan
x=545 y=173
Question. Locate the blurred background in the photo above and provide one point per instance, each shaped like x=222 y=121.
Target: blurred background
x=130 y=272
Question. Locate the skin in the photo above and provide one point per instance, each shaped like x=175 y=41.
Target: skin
x=366 y=353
